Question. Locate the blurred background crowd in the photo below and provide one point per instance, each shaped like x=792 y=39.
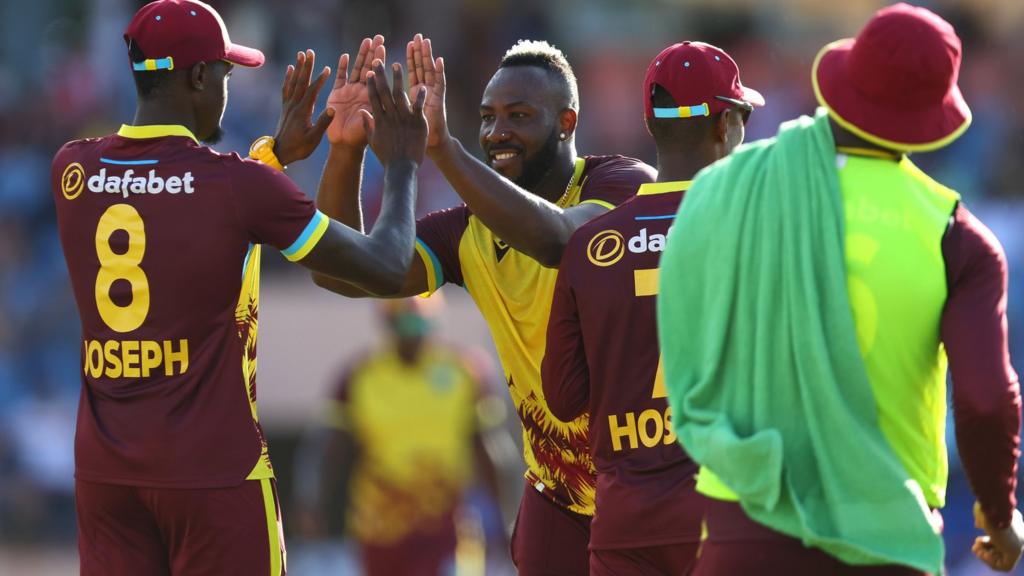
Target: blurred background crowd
x=64 y=75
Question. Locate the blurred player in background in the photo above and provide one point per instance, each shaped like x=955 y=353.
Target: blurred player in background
x=162 y=240
x=407 y=424
x=602 y=345
x=522 y=206
x=811 y=290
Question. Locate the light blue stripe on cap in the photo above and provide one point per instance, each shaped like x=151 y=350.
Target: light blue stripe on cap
x=158 y=64
x=683 y=111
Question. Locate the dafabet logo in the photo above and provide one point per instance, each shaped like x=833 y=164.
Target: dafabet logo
x=606 y=248
x=73 y=181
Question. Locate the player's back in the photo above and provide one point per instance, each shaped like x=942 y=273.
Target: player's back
x=612 y=263
x=161 y=240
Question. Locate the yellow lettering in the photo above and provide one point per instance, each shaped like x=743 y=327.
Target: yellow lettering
x=618 y=432
x=646 y=417
x=130 y=356
x=113 y=369
x=670 y=433
x=170 y=357
x=151 y=356
x=93 y=358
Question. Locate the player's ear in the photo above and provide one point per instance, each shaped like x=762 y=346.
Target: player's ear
x=567 y=119
x=198 y=76
x=722 y=125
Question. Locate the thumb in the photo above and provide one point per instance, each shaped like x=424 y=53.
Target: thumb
x=368 y=123
x=323 y=121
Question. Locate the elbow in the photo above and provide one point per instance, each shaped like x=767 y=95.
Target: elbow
x=388 y=281
x=561 y=411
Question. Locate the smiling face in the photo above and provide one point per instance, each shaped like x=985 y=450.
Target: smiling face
x=520 y=122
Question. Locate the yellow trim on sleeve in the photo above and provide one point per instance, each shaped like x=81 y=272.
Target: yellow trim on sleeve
x=300 y=252
x=891 y=144
x=155 y=131
x=603 y=203
x=433 y=273
x=652 y=188
x=273 y=530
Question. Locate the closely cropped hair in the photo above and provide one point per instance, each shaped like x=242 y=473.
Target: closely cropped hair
x=543 y=55
x=147 y=82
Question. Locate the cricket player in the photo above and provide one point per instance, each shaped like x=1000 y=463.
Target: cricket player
x=521 y=207
x=602 y=347
x=162 y=237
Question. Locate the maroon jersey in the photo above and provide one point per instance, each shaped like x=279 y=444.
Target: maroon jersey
x=161 y=237
x=603 y=356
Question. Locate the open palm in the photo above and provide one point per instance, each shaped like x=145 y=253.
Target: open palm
x=349 y=95
x=427 y=72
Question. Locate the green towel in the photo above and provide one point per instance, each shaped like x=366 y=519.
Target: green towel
x=766 y=383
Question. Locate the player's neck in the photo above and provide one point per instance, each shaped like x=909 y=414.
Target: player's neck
x=675 y=166
x=163 y=111
x=555 y=184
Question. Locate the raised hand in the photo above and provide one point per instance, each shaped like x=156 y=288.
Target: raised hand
x=1000 y=549
x=296 y=137
x=397 y=130
x=349 y=95
x=427 y=72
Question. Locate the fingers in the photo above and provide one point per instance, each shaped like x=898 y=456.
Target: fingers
x=410 y=65
x=397 y=90
x=314 y=91
x=439 y=82
x=368 y=124
x=377 y=89
x=421 y=97
x=379 y=51
x=340 y=78
x=303 y=70
x=361 y=60
x=322 y=122
x=286 y=86
x=427 y=62
x=417 y=55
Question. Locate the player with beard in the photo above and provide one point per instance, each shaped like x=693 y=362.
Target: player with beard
x=521 y=207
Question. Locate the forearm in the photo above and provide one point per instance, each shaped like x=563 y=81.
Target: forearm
x=338 y=195
x=394 y=233
x=524 y=221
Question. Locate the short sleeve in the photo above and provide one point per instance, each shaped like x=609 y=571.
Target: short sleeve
x=275 y=211
x=565 y=375
x=614 y=179
x=437 y=243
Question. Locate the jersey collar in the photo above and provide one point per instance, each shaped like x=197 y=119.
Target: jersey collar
x=155 y=131
x=663 y=187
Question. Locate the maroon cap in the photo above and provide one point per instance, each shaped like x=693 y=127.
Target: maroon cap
x=701 y=78
x=179 y=33
x=895 y=84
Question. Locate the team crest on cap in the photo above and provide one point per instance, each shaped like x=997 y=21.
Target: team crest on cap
x=606 y=248
x=72 y=182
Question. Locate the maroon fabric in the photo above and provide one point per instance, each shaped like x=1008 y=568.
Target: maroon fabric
x=736 y=544
x=897 y=79
x=418 y=554
x=602 y=355
x=694 y=73
x=672 y=560
x=549 y=540
x=193 y=428
x=188 y=32
x=986 y=391
x=126 y=530
x=611 y=179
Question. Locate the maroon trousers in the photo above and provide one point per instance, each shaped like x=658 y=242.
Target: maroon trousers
x=667 y=560
x=549 y=540
x=131 y=531
x=737 y=545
